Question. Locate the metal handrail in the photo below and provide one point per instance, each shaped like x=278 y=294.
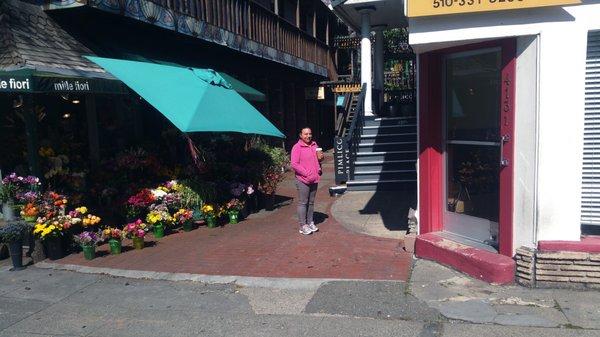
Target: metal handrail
x=355 y=130
x=342 y=116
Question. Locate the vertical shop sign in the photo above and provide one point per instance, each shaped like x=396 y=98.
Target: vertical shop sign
x=342 y=160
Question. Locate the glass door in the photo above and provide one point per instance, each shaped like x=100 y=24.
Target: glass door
x=472 y=102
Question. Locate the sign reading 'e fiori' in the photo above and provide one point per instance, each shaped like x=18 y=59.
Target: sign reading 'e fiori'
x=417 y=8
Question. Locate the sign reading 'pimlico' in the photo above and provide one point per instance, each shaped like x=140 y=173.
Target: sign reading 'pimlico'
x=418 y=8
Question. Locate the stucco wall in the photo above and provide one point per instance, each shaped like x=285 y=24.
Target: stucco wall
x=561 y=33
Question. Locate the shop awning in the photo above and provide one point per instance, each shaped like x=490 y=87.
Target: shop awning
x=34 y=81
x=37 y=55
x=194 y=100
x=242 y=88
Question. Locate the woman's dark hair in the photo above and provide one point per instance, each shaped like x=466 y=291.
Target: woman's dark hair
x=304 y=127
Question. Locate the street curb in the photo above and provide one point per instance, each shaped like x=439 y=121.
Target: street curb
x=244 y=281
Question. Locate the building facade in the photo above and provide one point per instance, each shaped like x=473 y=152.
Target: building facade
x=507 y=111
x=283 y=48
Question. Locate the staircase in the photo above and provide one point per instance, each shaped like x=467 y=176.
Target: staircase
x=375 y=153
x=386 y=156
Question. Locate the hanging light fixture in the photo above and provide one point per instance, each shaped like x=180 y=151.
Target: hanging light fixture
x=18 y=102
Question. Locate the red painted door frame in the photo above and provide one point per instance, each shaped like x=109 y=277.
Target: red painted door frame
x=431 y=148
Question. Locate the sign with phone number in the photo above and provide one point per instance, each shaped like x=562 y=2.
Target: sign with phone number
x=418 y=8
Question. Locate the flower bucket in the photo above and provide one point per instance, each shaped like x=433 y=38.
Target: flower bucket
x=54 y=248
x=8 y=211
x=16 y=255
x=211 y=221
x=115 y=246
x=138 y=243
x=198 y=215
x=38 y=253
x=233 y=217
x=158 y=230
x=187 y=226
x=89 y=252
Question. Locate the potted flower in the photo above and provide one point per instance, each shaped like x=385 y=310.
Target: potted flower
x=210 y=215
x=184 y=217
x=51 y=233
x=30 y=212
x=158 y=218
x=138 y=204
x=13 y=233
x=90 y=220
x=88 y=241
x=136 y=231
x=8 y=191
x=233 y=208
x=115 y=237
x=272 y=176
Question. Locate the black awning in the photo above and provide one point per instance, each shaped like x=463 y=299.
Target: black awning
x=37 y=55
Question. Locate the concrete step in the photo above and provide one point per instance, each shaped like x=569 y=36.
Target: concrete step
x=394 y=137
x=477 y=262
x=388 y=121
x=362 y=175
x=380 y=165
x=379 y=146
x=389 y=129
x=386 y=155
x=381 y=185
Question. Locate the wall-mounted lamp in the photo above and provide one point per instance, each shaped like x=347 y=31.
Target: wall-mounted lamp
x=18 y=102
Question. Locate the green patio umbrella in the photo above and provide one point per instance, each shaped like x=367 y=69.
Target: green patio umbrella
x=194 y=100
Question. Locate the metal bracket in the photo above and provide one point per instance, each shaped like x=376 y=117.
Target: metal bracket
x=503 y=161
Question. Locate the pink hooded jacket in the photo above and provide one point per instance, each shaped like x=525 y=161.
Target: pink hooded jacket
x=305 y=162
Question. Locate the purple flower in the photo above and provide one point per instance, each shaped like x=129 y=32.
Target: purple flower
x=87 y=238
x=28 y=196
x=237 y=189
x=12 y=179
x=31 y=180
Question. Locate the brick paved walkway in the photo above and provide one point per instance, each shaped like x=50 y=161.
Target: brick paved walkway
x=268 y=245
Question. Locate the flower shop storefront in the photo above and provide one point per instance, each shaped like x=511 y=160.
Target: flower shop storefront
x=87 y=160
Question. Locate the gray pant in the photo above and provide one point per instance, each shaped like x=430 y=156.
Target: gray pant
x=306 y=202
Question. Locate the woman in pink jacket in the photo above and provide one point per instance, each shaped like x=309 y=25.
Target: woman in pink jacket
x=305 y=162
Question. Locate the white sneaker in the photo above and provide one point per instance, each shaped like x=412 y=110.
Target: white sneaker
x=305 y=230
x=312 y=227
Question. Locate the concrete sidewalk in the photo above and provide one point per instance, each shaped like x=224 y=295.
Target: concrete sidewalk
x=436 y=302
x=459 y=297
